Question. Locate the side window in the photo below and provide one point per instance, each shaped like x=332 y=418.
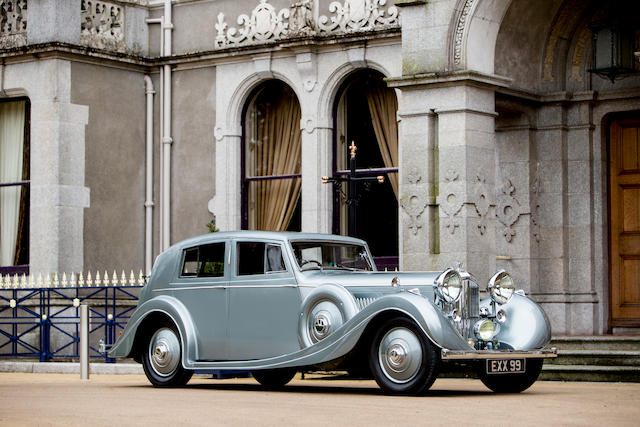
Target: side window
x=273 y=260
x=204 y=261
x=250 y=258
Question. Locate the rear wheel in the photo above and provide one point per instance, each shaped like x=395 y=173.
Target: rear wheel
x=162 y=358
x=402 y=359
x=274 y=378
x=512 y=383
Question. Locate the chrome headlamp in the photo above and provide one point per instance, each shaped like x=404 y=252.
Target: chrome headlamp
x=449 y=286
x=501 y=287
x=485 y=330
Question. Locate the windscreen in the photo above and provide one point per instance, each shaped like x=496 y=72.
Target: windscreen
x=331 y=255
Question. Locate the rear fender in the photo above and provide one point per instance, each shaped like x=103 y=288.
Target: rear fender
x=171 y=308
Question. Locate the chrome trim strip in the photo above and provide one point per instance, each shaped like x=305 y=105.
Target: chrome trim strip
x=497 y=354
x=191 y=288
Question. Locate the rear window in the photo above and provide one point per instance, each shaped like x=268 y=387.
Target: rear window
x=204 y=261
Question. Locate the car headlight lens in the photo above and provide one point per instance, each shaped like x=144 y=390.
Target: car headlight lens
x=501 y=287
x=485 y=330
x=449 y=286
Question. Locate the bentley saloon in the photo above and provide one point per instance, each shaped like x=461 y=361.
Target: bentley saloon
x=276 y=303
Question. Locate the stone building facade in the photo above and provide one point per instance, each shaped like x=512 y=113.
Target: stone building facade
x=511 y=152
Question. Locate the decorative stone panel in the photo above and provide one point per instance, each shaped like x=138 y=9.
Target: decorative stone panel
x=13 y=23
x=102 y=25
x=414 y=201
x=266 y=24
x=451 y=200
x=508 y=210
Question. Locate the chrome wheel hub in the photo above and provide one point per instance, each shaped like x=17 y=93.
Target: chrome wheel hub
x=164 y=352
x=400 y=355
x=324 y=318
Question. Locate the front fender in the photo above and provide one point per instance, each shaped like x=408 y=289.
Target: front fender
x=527 y=326
x=166 y=305
x=426 y=315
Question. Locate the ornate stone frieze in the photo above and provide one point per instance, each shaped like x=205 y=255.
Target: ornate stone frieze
x=459 y=34
x=102 y=25
x=508 y=210
x=13 y=23
x=414 y=201
x=451 y=200
x=268 y=24
x=358 y=15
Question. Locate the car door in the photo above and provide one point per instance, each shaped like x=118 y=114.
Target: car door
x=201 y=286
x=264 y=302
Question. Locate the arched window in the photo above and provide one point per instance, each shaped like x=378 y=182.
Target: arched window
x=271 y=159
x=365 y=114
x=14 y=186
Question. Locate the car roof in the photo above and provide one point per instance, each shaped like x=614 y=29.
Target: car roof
x=266 y=235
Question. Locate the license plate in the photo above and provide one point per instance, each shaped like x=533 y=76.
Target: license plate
x=506 y=366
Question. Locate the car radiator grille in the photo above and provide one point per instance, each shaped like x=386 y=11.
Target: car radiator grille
x=363 y=302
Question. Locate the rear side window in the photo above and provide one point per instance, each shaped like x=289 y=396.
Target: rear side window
x=259 y=258
x=204 y=261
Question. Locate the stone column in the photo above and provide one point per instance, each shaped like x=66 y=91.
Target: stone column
x=316 y=163
x=58 y=194
x=447 y=159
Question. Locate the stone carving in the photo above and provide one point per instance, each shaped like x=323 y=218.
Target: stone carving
x=481 y=202
x=459 y=34
x=451 y=200
x=301 y=18
x=508 y=210
x=13 y=23
x=266 y=24
x=358 y=15
x=415 y=201
x=102 y=25
x=578 y=55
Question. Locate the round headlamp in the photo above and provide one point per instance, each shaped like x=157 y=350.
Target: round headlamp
x=449 y=286
x=501 y=287
x=485 y=330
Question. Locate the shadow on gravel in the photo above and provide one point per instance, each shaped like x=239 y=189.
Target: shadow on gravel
x=220 y=385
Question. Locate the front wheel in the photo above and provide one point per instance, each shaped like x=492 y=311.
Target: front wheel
x=512 y=383
x=162 y=358
x=274 y=378
x=402 y=359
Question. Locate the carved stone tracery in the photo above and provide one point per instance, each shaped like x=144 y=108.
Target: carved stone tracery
x=267 y=24
x=508 y=210
x=102 y=25
x=13 y=23
x=451 y=200
x=414 y=202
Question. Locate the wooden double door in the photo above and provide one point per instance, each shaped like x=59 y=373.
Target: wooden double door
x=624 y=190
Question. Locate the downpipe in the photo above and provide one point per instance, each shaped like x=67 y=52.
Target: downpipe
x=148 y=203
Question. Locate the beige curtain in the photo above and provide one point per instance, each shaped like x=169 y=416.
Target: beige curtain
x=383 y=106
x=11 y=150
x=278 y=152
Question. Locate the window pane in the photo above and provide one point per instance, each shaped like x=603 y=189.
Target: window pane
x=274 y=261
x=212 y=260
x=204 y=261
x=250 y=258
x=190 y=266
x=12 y=162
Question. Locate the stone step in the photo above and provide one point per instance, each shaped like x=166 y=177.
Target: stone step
x=554 y=372
x=597 y=358
x=601 y=342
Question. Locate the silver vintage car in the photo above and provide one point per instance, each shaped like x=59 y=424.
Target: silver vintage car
x=276 y=303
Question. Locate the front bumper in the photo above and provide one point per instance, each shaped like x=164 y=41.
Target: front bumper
x=498 y=354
